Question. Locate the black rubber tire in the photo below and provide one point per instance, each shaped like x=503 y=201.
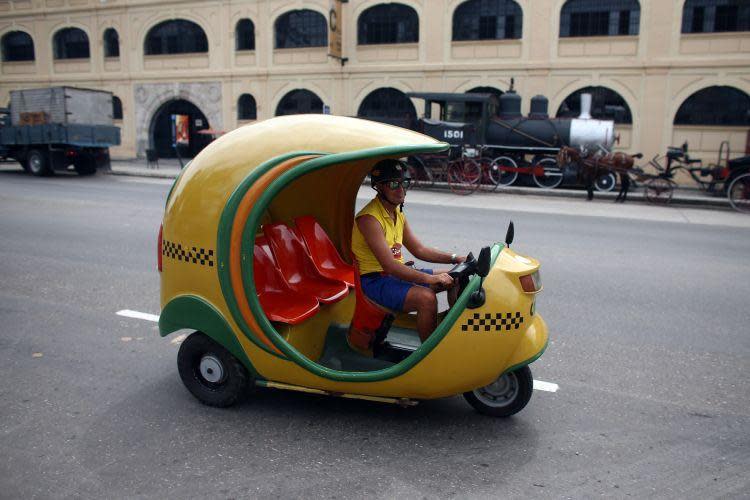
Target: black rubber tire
x=37 y=162
x=85 y=165
x=227 y=391
x=605 y=182
x=519 y=398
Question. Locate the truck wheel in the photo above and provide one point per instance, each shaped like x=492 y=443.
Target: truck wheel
x=38 y=163
x=504 y=397
x=210 y=372
x=85 y=165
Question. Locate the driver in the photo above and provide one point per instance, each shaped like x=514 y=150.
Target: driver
x=380 y=230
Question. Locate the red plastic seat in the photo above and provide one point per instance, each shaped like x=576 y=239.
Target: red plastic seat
x=279 y=302
x=324 y=254
x=370 y=323
x=297 y=266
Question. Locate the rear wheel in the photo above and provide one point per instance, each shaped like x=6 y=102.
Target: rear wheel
x=464 y=176
x=504 y=397
x=38 y=163
x=504 y=170
x=85 y=165
x=552 y=175
x=659 y=191
x=739 y=193
x=210 y=372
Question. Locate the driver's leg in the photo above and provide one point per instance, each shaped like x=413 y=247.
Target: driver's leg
x=424 y=302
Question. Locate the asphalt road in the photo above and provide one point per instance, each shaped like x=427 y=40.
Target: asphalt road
x=650 y=347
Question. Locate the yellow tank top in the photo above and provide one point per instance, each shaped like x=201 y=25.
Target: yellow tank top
x=393 y=234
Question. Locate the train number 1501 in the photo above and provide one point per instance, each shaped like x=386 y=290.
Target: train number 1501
x=453 y=134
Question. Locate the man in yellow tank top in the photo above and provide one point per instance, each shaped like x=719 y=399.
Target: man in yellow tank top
x=379 y=233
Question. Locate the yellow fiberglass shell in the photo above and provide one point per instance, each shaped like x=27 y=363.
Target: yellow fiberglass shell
x=273 y=171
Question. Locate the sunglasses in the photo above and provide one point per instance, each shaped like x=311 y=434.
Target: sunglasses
x=405 y=183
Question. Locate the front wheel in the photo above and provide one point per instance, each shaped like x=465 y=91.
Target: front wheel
x=504 y=397
x=739 y=193
x=210 y=372
x=504 y=171
x=605 y=182
x=659 y=190
x=38 y=163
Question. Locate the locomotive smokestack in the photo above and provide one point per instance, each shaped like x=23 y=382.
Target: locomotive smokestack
x=585 y=107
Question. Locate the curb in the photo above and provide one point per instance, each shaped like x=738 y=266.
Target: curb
x=681 y=199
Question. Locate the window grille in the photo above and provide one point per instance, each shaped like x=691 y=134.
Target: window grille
x=299 y=101
x=301 y=28
x=111 y=43
x=388 y=23
x=606 y=104
x=715 y=106
x=246 y=108
x=715 y=16
x=177 y=36
x=116 y=108
x=600 y=18
x=388 y=105
x=17 y=46
x=244 y=35
x=487 y=20
x=71 y=43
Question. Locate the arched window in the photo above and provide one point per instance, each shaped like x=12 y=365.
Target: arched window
x=388 y=105
x=299 y=101
x=111 y=43
x=715 y=16
x=246 y=108
x=116 y=108
x=606 y=104
x=388 y=23
x=17 y=46
x=71 y=43
x=177 y=36
x=301 y=28
x=244 y=35
x=718 y=106
x=600 y=18
x=487 y=20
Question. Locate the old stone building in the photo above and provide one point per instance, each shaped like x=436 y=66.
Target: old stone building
x=666 y=70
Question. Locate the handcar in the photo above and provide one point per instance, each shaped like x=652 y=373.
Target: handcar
x=254 y=257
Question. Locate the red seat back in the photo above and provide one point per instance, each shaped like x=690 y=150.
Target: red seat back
x=291 y=254
x=265 y=273
x=322 y=250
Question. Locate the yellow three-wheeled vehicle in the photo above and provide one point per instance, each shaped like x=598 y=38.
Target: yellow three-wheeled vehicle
x=254 y=255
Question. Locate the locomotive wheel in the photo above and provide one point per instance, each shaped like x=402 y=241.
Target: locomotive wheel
x=605 y=182
x=499 y=172
x=739 y=193
x=421 y=176
x=464 y=176
x=659 y=191
x=553 y=175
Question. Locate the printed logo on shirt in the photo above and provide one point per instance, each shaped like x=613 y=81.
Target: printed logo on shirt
x=396 y=251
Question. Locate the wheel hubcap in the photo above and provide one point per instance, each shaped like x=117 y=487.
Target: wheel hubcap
x=499 y=393
x=35 y=163
x=211 y=369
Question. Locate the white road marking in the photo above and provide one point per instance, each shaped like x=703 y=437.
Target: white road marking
x=138 y=315
x=540 y=385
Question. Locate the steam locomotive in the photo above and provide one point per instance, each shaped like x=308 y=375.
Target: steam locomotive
x=483 y=124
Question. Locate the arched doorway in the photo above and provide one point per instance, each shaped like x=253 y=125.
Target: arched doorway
x=388 y=105
x=161 y=129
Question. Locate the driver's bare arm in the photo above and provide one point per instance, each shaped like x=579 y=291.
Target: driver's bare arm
x=373 y=234
x=425 y=253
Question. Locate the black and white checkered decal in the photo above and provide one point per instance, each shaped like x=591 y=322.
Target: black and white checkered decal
x=493 y=321
x=194 y=255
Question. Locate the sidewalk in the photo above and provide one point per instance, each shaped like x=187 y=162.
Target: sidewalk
x=170 y=168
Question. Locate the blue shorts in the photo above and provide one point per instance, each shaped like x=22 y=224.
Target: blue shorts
x=386 y=290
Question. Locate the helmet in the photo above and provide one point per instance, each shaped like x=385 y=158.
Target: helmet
x=388 y=170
